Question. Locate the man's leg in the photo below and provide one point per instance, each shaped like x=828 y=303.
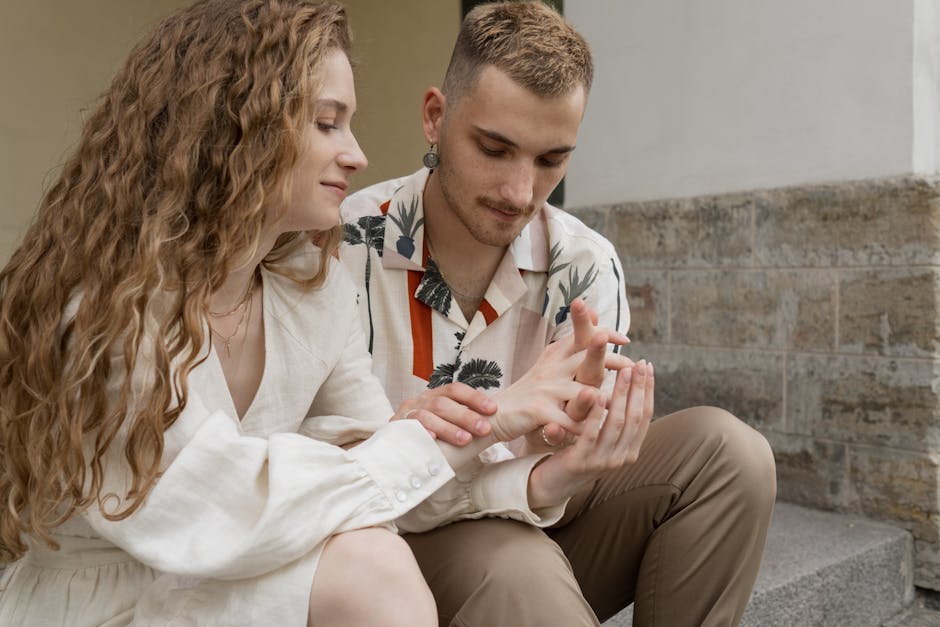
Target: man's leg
x=494 y=572
x=680 y=532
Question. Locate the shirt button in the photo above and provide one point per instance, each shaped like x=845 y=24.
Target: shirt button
x=434 y=469
x=415 y=481
x=401 y=496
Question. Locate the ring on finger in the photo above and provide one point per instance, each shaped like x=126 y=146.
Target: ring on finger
x=408 y=413
x=546 y=440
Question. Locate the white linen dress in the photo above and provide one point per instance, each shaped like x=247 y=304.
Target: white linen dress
x=232 y=531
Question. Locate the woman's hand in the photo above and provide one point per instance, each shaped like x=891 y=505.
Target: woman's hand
x=455 y=412
x=540 y=395
x=592 y=371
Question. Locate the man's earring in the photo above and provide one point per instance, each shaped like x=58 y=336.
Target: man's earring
x=431 y=158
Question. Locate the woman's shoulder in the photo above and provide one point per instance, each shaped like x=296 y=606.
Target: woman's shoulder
x=302 y=308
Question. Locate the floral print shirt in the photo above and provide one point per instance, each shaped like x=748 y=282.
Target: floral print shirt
x=418 y=336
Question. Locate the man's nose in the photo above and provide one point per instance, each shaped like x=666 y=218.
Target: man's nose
x=517 y=190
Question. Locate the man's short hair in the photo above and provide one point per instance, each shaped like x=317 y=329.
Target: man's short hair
x=529 y=41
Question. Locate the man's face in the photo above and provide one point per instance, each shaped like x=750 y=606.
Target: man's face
x=503 y=150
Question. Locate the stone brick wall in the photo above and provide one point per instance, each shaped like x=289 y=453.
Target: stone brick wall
x=813 y=313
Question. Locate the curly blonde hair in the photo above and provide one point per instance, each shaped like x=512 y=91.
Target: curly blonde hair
x=167 y=191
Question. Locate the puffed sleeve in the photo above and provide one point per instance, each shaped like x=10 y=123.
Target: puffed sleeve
x=480 y=489
x=351 y=403
x=231 y=506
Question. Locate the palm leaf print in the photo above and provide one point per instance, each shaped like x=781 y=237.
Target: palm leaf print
x=480 y=373
x=371 y=232
x=553 y=267
x=444 y=374
x=575 y=287
x=351 y=234
x=408 y=227
x=553 y=254
x=433 y=291
x=613 y=266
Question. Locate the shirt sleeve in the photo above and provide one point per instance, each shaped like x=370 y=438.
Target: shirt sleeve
x=230 y=506
x=351 y=403
x=606 y=294
x=497 y=489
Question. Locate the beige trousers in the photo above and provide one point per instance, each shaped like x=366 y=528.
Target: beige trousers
x=680 y=533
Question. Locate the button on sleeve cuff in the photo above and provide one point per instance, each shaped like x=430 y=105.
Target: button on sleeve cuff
x=404 y=462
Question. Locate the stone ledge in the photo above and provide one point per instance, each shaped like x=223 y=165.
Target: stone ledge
x=825 y=569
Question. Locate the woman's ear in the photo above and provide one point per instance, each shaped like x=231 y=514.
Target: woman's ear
x=432 y=114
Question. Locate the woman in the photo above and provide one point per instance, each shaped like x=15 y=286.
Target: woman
x=182 y=376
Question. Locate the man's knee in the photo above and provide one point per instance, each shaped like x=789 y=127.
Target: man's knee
x=737 y=450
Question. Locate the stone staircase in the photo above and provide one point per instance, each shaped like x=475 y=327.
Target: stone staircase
x=830 y=569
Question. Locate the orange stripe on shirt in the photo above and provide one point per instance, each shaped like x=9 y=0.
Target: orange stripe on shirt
x=421 y=338
x=489 y=314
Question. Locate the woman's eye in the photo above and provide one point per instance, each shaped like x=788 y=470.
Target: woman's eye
x=326 y=126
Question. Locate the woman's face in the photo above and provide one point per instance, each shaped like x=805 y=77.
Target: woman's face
x=329 y=153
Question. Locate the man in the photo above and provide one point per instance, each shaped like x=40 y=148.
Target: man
x=466 y=274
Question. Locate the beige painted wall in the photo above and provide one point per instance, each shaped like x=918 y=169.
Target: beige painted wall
x=58 y=56
x=402 y=48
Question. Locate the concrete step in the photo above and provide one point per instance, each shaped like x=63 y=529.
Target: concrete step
x=828 y=569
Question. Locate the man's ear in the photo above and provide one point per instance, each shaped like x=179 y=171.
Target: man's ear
x=432 y=114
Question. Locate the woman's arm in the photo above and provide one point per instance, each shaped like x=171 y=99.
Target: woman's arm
x=231 y=506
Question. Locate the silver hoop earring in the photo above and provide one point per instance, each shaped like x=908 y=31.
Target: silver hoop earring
x=431 y=159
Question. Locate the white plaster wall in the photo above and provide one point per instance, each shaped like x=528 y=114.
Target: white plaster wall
x=696 y=97
x=927 y=86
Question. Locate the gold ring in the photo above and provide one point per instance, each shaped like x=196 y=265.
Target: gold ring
x=545 y=438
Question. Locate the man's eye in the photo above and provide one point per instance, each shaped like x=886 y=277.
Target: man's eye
x=492 y=152
x=551 y=163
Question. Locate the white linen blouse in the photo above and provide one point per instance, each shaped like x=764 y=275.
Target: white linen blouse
x=232 y=531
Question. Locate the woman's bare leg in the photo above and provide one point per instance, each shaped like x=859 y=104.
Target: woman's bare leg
x=369 y=577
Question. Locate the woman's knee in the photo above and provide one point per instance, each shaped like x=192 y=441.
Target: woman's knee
x=370 y=573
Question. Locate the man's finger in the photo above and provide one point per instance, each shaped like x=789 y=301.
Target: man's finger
x=616 y=361
x=591 y=370
x=578 y=407
x=582 y=323
x=636 y=402
x=554 y=435
x=649 y=395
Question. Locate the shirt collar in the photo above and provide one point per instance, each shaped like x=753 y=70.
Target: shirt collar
x=404 y=245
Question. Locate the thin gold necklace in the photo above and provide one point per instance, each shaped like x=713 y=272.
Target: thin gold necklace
x=446 y=282
x=251 y=288
x=227 y=341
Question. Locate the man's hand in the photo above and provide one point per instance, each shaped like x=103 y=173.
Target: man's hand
x=455 y=412
x=605 y=442
x=539 y=396
x=591 y=372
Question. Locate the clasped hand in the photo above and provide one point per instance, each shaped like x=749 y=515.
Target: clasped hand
x=560 y=392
